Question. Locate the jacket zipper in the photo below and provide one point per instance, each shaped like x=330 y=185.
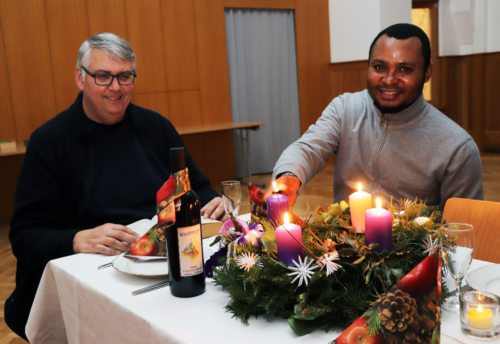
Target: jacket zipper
x=384 y=124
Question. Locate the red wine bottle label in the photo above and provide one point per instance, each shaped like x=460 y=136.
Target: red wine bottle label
x=190 y=250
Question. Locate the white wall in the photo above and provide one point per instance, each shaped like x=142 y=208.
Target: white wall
x=355 y=23
x=492 y=26
x=469 y=27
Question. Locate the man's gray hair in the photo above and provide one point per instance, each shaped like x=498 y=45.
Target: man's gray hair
x=110 y=44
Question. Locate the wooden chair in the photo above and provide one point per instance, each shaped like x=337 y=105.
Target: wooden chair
x=485 y=217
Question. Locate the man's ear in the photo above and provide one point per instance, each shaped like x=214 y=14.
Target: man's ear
x=428 y=73
x=79 y=78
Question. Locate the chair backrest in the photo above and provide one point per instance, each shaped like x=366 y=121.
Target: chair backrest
x=485 y=217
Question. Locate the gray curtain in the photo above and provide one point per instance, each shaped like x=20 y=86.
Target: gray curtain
x=263 y=75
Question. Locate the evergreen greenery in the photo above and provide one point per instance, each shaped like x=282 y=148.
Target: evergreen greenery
x=332 y=301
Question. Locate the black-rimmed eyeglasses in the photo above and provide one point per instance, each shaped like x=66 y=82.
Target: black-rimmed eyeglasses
x=106 y=79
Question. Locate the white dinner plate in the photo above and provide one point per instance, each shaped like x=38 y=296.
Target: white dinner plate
x=151 y=268
x=486 y=278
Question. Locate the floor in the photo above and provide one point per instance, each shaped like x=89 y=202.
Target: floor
x=317 y=193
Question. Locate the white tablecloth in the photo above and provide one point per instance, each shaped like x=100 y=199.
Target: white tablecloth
x=77 y=303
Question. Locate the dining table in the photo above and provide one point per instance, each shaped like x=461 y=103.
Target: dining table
x=78 y=303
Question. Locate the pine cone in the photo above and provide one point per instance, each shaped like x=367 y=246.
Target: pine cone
x=420 y=331
x=410 y=337
x=396 y=310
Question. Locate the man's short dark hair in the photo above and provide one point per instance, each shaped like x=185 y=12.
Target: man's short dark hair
x=404 y=31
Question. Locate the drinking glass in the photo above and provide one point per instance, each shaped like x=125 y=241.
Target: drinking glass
x=457 y=256
x=231 y=196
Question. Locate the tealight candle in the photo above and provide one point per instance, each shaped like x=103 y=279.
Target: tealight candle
x=479 y=314
x=480 y=318
x=378 y=223
x=289 y=241
x=359 y=202
x=277 y=205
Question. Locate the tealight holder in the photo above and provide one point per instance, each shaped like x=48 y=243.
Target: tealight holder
x=479 y=314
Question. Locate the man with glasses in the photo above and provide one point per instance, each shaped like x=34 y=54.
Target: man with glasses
x=91 y=170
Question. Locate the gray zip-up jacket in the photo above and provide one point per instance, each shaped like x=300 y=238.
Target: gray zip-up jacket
x=418 y=152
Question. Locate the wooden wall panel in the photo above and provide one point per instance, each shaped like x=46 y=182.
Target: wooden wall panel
x=313 y=55
x=7 y=120
x=454 y=94
x=28 y=57
x=213 y=153
x=67 y=28
x=107 y=16
x=195 y=145
x=215 y=97
x=491 y=108
x=185 y=108
x=348 y=77
x=212 y=61
x=180 y=44
x=145 y=35
x=475 y=102
x=156 y=101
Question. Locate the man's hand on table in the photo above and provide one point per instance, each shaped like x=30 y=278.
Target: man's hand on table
x=109 y=239
x=213 y=209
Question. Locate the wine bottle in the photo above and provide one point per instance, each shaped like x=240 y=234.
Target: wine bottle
x=184 y=242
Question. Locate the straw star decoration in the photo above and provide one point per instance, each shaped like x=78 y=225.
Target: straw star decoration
x=246 y=261
x=302 y=270
x=328 y=260
x=431 y=244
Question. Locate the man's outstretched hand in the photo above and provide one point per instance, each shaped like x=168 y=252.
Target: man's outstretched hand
x=287 y=185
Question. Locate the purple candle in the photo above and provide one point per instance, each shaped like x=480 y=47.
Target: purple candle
x=289 y=241
x=378 y=228
x=277 y=205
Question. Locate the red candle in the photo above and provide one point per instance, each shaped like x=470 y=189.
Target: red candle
x=378 y=227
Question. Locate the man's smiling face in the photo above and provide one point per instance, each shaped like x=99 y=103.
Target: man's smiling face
x=104 y=104
x=396 y=73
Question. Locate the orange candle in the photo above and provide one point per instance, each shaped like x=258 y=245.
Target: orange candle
x=359 y=202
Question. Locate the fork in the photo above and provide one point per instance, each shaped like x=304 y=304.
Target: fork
x=107 y=265
x=151 y=287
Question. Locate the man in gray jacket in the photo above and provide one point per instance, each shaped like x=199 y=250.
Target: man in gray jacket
x=388 y=137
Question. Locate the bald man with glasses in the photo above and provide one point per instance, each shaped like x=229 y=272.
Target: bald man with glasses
x=90 y=171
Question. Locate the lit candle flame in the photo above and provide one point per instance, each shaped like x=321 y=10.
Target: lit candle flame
x=275 y=187
x=378 y=202
x=360 y=187
x=286 y=218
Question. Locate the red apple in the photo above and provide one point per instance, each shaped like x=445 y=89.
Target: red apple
x=145 y=246
x=357 y=333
